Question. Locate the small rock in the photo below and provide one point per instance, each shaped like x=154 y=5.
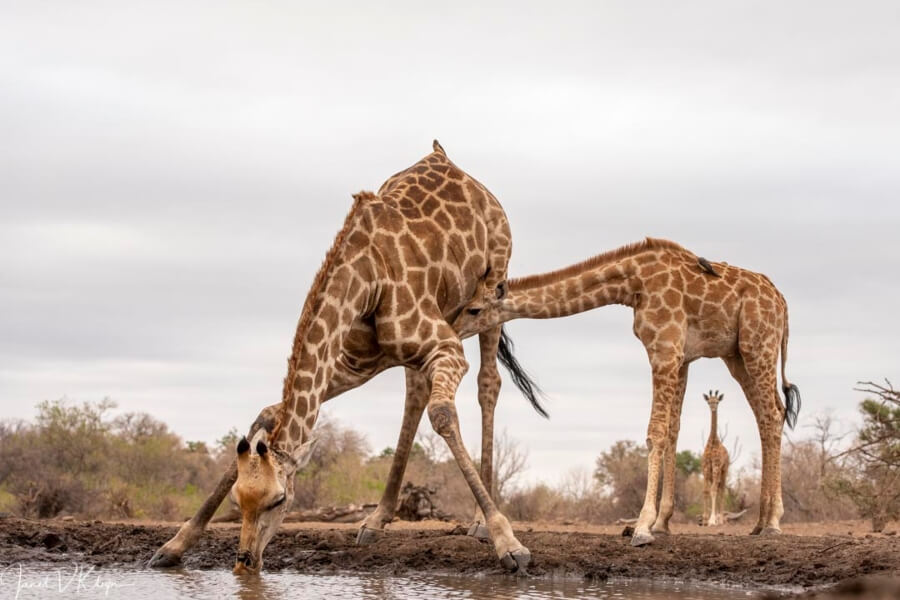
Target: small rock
x=67 y=518
x=51 y=541
x=628 y=531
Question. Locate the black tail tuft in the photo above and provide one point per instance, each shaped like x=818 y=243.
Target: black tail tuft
x=792 y=404
x=519 y=375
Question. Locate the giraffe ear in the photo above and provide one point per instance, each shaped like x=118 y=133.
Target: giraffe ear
x=304 y=452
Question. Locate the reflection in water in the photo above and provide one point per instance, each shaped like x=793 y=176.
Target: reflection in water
x=73 y=581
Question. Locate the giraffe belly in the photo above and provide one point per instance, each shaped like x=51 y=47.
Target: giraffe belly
x=713 y=344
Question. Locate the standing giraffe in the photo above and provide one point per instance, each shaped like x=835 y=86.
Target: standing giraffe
x=403 y=265
x=685 y=308
x=714 y=466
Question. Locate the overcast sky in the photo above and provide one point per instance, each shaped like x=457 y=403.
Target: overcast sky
x=172 y=174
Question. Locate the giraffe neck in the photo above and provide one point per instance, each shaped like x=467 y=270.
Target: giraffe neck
x=572 y=290
x=714 y=425
x=318 y=343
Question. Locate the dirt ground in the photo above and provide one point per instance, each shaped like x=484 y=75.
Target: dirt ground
x=806 y=556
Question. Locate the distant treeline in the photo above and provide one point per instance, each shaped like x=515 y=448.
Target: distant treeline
x=78 y=459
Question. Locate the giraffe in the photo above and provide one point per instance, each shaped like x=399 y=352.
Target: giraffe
x=714 y=465
x=405 y=262
x=685 y=308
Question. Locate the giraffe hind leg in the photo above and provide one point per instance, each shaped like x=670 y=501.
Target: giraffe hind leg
x=445 y=368
x=488 y=391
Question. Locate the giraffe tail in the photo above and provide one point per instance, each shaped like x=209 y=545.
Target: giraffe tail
x=792 y=400
x=519 y=375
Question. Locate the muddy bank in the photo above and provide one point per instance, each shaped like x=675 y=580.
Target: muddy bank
x=789 y=560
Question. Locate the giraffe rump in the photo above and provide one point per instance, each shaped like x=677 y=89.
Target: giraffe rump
x=519 y=375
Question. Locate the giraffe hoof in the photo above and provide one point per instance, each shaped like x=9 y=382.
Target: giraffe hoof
x=660 y=531
x=756 y=530
x=164 y=559
x=517 y=561
x=479 y=532
x=641 y=539
x=366 y=536
x=769 y=531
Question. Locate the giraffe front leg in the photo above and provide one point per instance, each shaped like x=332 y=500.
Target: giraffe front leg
x=169 y=555
x=667 y=505
x=488 y=391
x=714 y=503
x=665 y=383
x=667 y=501
x=416 y=399
x=707 y=500
x=445 y=374
x=723 y=479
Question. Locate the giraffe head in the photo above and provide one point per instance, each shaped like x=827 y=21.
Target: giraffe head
x=264 y=490
x=483 y=312
x=713 y=398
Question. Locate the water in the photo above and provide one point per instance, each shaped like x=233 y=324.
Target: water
x=79 y=581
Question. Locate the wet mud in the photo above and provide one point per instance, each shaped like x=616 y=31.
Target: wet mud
x=789 y=561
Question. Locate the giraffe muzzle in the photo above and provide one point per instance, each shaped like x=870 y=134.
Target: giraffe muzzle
x=245 y=559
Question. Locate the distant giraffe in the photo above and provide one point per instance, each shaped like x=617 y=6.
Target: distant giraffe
x=714 y=466
x=402 y=267
x=685 y=308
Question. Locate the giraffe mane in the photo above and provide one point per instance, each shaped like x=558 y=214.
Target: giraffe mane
x=541 y=279
x=309 y=306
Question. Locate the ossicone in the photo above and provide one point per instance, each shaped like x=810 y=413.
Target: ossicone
x=243 y=446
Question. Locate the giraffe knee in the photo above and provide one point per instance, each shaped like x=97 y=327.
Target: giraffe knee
x=489 y=383
x=443 y=418
x=656 y=439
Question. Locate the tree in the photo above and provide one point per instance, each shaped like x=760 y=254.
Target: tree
x=687 y=463
x=509 y=462
x=623 y=471
x=875 y=488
